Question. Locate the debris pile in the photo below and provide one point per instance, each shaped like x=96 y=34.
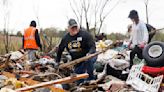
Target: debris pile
x=111 y=69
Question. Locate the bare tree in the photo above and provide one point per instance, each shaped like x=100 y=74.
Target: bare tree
x=77 y=10
x=90 y=10
x=44 y=37
x=86 y=6
x=6 y=11
x=147 y=15
x=103 y=15
x=81 y=9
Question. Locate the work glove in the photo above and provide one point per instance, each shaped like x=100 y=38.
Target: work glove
x=130 y=46
x=141 y=45
x=87 y=54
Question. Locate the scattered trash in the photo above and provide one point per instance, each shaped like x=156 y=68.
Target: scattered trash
x=111 y=70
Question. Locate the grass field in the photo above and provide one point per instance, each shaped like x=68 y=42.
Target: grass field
x=15 y=43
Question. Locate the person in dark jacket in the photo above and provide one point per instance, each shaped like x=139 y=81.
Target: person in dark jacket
x=78 y=43
x=31 y=40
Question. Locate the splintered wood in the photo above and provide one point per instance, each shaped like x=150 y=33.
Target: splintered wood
x=83 y=59
x=59 y=81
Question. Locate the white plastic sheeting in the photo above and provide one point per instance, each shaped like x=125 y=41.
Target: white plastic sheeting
x=16 y=55
x=106 y=56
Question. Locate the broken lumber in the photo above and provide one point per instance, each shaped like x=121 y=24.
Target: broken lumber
x=59 y=81
x=76 y=61
x=9 y=75
x=25 y=72
x=29 y=81
x=6 y=63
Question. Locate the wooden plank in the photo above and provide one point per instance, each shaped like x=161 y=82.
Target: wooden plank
x=6 y=62
x=25 y=72
x=33 y=82
x=59 y=81
x=76 y=61
x=9 y=75
x=29 y=81
x=83 y=59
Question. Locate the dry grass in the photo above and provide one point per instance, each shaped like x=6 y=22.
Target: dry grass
x=14 y=44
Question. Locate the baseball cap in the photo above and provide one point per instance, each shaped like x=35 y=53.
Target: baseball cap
x=133 y=14
x=72 y=23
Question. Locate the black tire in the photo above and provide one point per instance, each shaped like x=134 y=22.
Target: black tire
x=153 y=54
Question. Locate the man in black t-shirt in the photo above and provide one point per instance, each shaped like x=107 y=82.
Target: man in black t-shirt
x=78 y=43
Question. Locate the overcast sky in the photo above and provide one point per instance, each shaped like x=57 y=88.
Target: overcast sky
x=55 y=13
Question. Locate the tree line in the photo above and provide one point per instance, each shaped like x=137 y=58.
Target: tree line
x=54 y=36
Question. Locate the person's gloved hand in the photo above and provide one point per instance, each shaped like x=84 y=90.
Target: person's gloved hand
x=141 y=45
x=130 y=46
x=87 y=54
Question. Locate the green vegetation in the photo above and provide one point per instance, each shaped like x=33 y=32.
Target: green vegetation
x=15 y=43
x=159 y=36
x=54 y=36
x=116 y=36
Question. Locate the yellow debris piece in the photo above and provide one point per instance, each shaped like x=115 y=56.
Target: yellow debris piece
x=15 y=83
x=101 y=45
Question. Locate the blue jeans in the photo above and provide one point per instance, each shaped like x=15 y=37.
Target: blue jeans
x=31 y=54
x=86 y=67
